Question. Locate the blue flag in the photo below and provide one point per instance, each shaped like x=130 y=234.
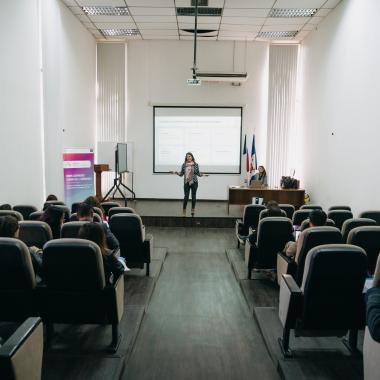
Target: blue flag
x=253 y=154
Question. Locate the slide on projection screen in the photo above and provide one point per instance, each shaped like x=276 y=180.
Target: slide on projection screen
x=212 y=134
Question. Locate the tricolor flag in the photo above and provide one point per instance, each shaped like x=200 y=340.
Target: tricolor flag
x=246 y=152
x=253 y=154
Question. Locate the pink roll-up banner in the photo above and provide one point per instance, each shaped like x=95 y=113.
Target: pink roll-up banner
x=78 y=173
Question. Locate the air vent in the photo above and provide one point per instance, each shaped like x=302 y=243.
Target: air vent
x=292 y=12
x=119 y=32
x=105 y=11
x=190 y=11
x=201 y=3
x=276 y=35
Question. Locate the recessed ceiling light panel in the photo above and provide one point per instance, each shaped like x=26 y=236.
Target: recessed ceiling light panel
x=119 y=32
x=276 y=34
x=292 y=12
x=206 y=11
x=105 y=11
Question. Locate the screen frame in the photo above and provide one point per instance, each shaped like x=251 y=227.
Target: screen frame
x=216 y=107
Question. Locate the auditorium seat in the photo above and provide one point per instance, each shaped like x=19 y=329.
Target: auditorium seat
x=330 y=300
x=135 y=247
x=21 y=354
x=70 y=230
x=272 y=235
x=73 y=295
x=108 y=205
x=350 y=224
x=17 y=281
x=309 y=239
x=35 y=215
x=372 y=214
x=306 y=224
x=251 y=217
x=339 y=217
x=25 y=210
x=35 y=233
x=96 y=218
x=53 y=203
x=368 y=238
x=13 y=213
x=299 y=216
x=311 y=207
x=264 y=214
x=348 y=208
x=66 y=211
x=98 y=211
x=74 y=207
x=120 y=210
x=289 y=209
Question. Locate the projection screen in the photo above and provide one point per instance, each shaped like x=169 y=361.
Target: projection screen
x=212 y=134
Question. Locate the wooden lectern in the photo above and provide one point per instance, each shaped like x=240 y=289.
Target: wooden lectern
x=99 y=169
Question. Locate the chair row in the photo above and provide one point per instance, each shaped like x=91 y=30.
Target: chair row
x=274 y=232
x=74 y=290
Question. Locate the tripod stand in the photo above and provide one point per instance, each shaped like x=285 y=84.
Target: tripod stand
x=117 y=182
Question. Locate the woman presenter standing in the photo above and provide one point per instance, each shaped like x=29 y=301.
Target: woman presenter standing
x=190 y=171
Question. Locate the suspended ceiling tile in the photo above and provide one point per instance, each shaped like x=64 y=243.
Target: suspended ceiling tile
x=126 y=19
x=167 y=32
x=331 y=3
x=149 y=3
x=111 y=3
x=286 y=21
x=308 y=27
x=157 y=25
x=77 y=10
x=281 y=28
x=323 y=12
x=70 y=3
x=161 y=18
x=299 y=3
x=115 y=25
x=237 y=38
x=200 y=26
x=243 y=20
x=244 y=12
x=152 y=11
x=301 y=35
x=201 y=19
x=315 y=20
x=156 y=37
x=241 y=28
x=249 y=3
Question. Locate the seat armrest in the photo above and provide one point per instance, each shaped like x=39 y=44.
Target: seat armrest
x=290 y=301
x=285 y=265
x=115 y=299
x=21 y=354
x=148 y=247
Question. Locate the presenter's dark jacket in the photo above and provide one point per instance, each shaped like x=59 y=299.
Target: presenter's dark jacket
x=112 y=242
x=373 y=312
x=196 y=172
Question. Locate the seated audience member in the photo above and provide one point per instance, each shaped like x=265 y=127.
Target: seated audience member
x=6 y=206
x=51 y=197
x=373 y=310
x=85 y=213
x=9 y=228
x=317 y=218
x=273 y=209
x=54 y=217
x=113 y=267
x=93 y=202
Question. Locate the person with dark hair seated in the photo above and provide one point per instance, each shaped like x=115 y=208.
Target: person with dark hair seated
x=6 y=206
x=273 y=209
x=317 y=218
x=51 y=197
x=9 y=228
x=54 y=217
x=113 y=267
x=85 y=213
x=93 y=202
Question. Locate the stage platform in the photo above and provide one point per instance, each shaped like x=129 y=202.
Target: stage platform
x=168 y=213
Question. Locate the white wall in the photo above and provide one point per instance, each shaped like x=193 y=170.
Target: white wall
x=21 y=160
x=69 y=72
x=341 y=112
x=157 y=73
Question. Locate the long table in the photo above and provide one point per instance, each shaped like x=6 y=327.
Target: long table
x=242 y=195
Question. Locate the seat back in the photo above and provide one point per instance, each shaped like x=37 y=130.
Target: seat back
x=98 y=211
x=371 y=214
x=350 y=224
x=311 y=207
x=272 y=235
x=368 y=238
x=34 y=233
x=120 y=210
x=332 y=288
x=108 y=205
x=310 y=238
x=70 y=230
x=339 y=217
x=36 y=215
x=266 y=213
x=299 y=216
x=75 y=283
x=53 y=203
x=25 y=210
x=251 y=216
x=306 y=224
x=13 y=213
x=17 y=281
x=96 y=218
x=74 y=207
x=130 y=232
x=289 y=209
x=348 y=208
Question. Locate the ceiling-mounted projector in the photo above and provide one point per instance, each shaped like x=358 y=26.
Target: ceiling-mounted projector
x=194 y=82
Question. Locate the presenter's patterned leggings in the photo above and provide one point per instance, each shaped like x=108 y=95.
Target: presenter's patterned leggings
x=193 y=187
